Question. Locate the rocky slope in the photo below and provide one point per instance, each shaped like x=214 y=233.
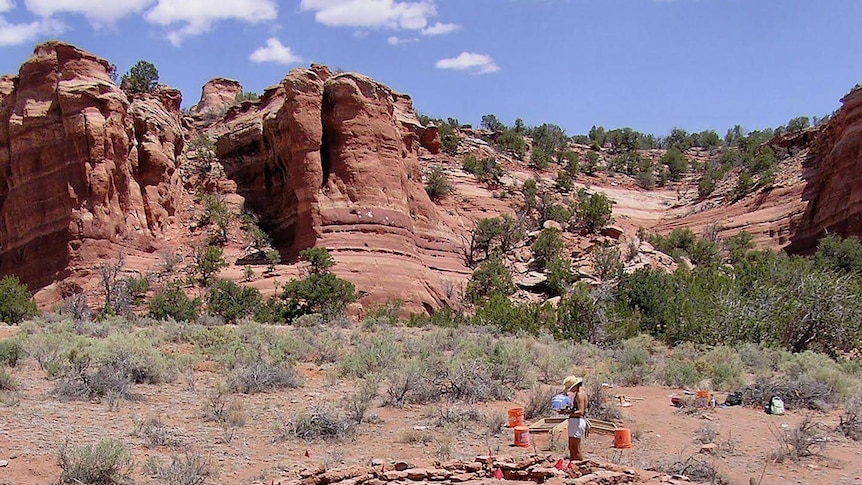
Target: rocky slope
x=82 y=169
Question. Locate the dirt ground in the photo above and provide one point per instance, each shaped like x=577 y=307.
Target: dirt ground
x=34 y=425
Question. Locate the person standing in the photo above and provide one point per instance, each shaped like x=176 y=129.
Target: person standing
x=577 y=415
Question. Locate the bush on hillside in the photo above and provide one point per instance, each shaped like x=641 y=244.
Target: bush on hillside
x=174 y=303
x=436 y=183
x=594 y=212
x=491 y=277
x=547 y=247
x=208 y=261
x=321 y=291
x=16 y=303
x=232 y=301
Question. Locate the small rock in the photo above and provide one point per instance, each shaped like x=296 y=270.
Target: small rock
x=416 y=474
x=552 y=225
x=708 y=448
x=3 y=463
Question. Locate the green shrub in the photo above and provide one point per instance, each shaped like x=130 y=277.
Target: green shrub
x=494 y=234
x=436 y=183
x=491 y=277
x=138 y=359
x=676 y=163
x=633 y=365
x=11 y=351
x=16 y=303
x=540 y=159
x=511 y=140
x=208 y=260
x=530 y=189
x=321 y=291
x=607 y=262
x=592 y=164
x=485 y=169
x=143 y=77
x=564 y=181
x=246 y=96
x=547 y=247
x=6 y=381
x=137 y=287
x=560 y=275
x=108 y=462
x=680 y=373
x=232 y=301
x=594 y=212
x=576 y=316
x=174 y=303
x=372 y=354
x=725 y=369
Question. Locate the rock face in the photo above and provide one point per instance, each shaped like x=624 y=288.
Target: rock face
x=834 y=179
x=79 y=164
x=332 y=161
x=217 y=95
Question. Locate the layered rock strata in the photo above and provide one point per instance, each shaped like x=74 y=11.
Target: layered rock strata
x=331 y=160
x=833 y=174
x=79 y=163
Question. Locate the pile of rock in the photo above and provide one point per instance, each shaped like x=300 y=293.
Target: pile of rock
x=484 y=469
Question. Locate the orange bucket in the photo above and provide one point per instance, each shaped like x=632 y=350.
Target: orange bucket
x=622 y=438
x=522 y=436
x=516 y=417
x=702 y=394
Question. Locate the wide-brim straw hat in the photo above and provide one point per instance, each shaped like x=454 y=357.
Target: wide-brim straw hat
x=571 y=381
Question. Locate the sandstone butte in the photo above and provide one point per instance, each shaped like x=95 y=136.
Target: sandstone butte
x=332 y=160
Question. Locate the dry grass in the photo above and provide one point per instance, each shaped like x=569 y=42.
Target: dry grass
x=806 y=439
x=108 y=462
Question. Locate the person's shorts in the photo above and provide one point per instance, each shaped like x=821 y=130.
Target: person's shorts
x=577 y=427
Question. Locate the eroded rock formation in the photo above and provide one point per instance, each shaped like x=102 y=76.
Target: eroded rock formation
x=217 y=95
x=834 y=179
x=79 y=164
x=332 y=161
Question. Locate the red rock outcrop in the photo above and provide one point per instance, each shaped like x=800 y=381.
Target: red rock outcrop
x=79 y=165
x=834 y=179
x=332 y=161
x=217 y=95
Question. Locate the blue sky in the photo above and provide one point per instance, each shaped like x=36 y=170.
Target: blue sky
x=648 y=64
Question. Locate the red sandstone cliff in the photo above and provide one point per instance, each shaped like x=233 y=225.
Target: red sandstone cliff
x=834 y=179
x=333 y=161
x=79 y=164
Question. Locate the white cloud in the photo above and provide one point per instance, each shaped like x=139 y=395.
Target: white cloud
x=274 y=52
x=14 y=34
x=96 y=11
x=389 y=14
x=6 y=5
x=469 y=61
x=394 y=40
x=200 y=15
x=440 y=29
